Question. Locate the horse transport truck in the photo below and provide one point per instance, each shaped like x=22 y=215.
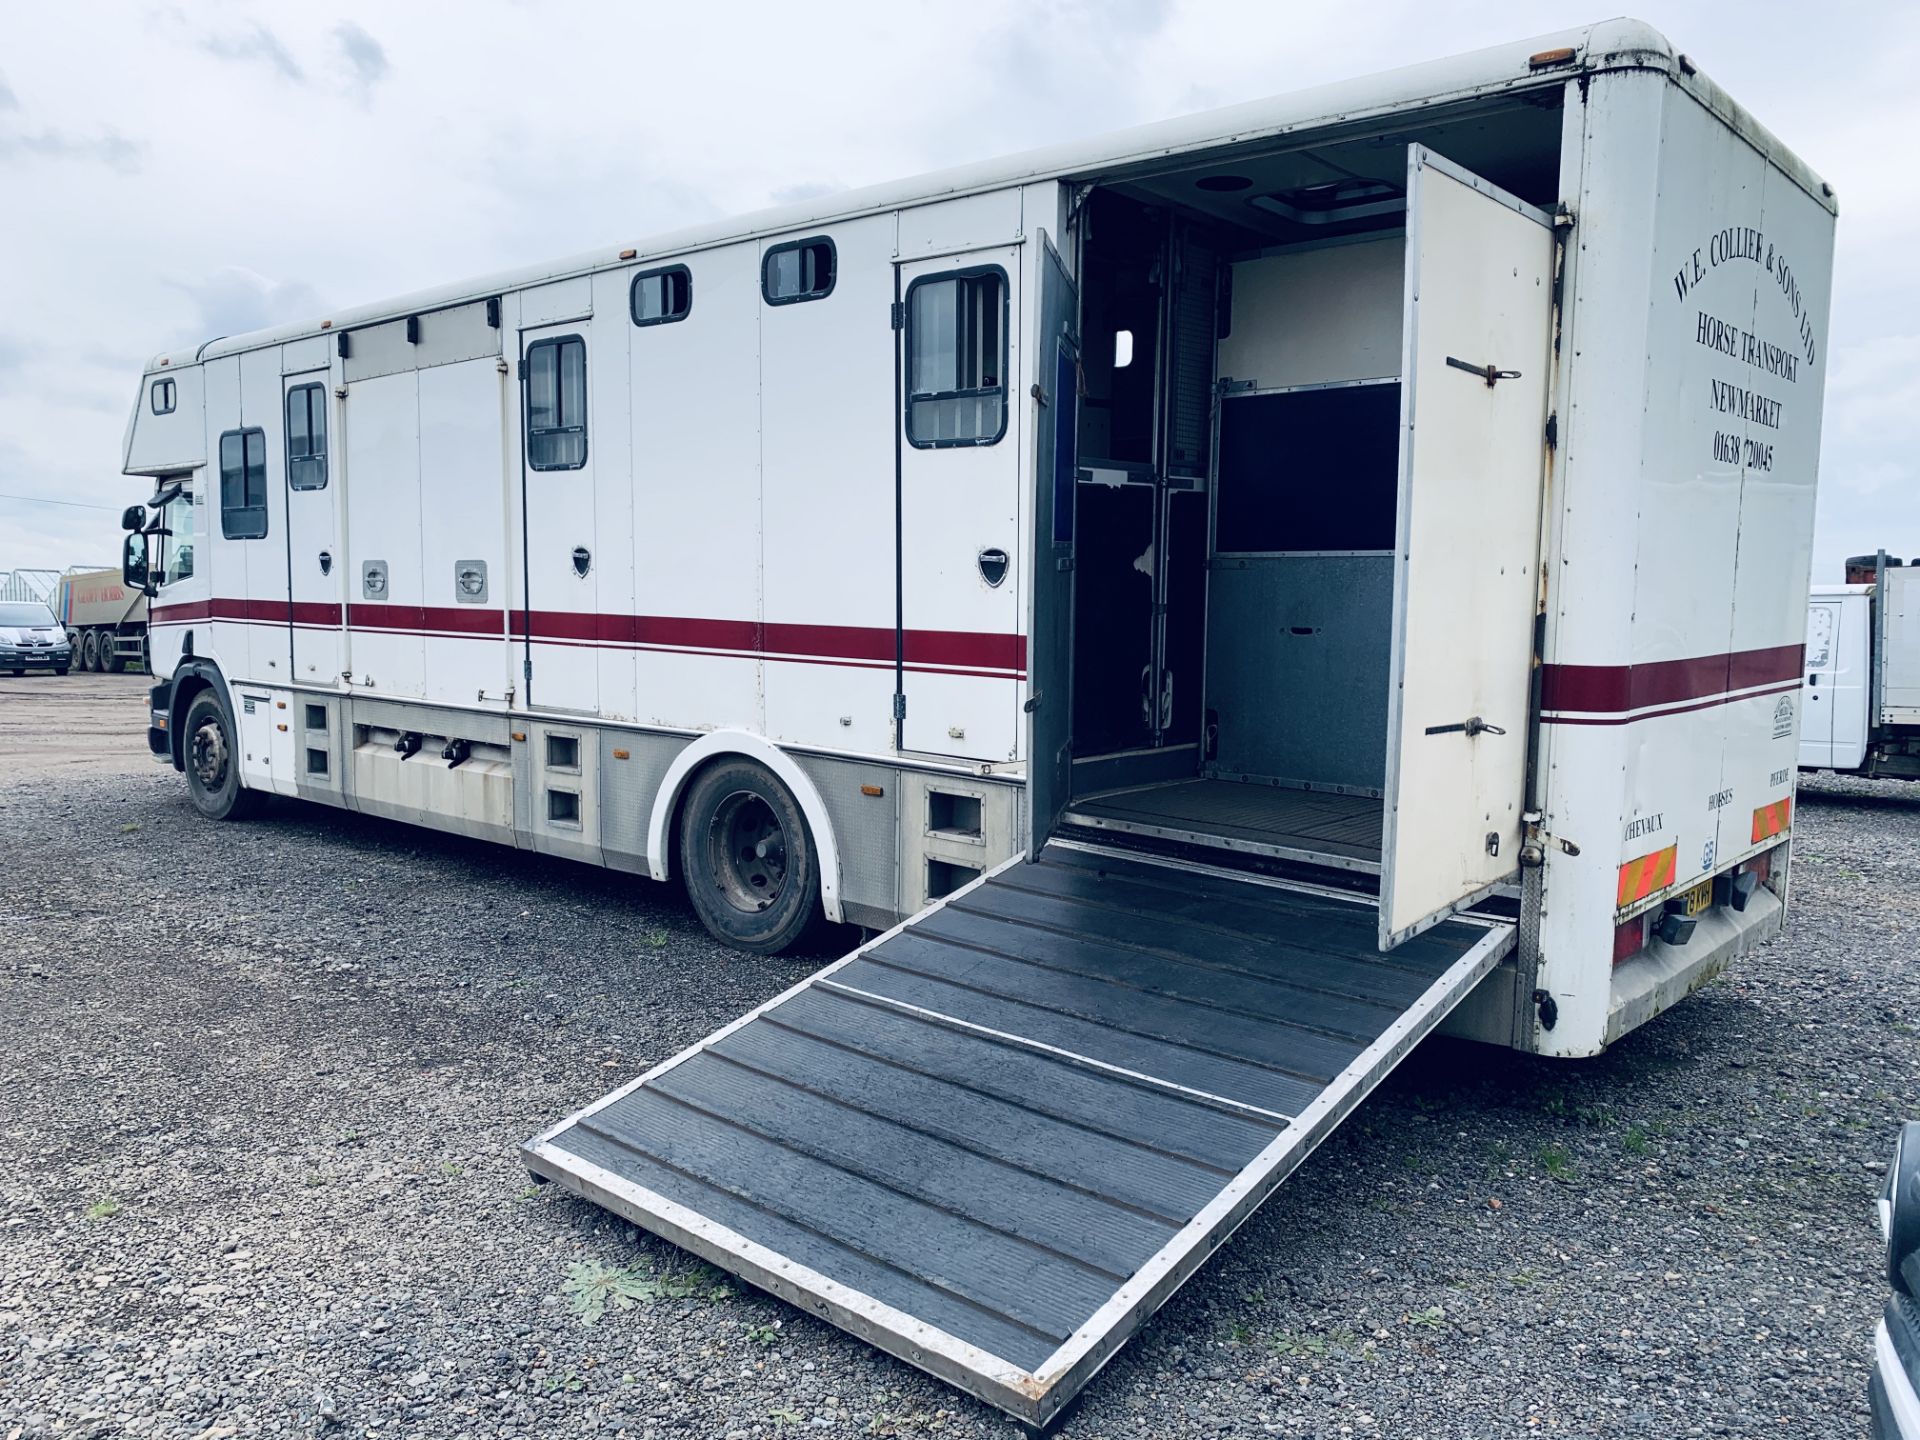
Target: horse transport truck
x=1219 y=601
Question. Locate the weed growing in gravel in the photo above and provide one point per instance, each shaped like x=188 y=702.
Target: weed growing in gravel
x=1313 y=1344
x=1238 y=1333
x=785 y=1416
x=532 y=1192
x=451 y=1170
x=1523 y=1277
x=764 y=1334
x=657 y=939
x=105 y=1208
x=590 y=1287
x=131 y=827
x=1434 y=1317
x=1499 y=1157
x=1555 y=1160
x=1635 y=1141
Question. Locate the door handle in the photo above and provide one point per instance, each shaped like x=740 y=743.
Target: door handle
x=1471 y=726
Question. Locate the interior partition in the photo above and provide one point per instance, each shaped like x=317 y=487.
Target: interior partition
x=1300 y=591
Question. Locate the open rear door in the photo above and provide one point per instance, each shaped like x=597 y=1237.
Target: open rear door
x=1475 y=367
x=1050 y=659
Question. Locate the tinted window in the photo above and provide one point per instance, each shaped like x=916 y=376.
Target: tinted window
x=557 y=403
x=801 y=270
x=957 y=359
x=243 y=484
x=176 y=519
x=307 y=437
x=163 y=396
x=659 y=296
x=28 y=615
x=1309 y=470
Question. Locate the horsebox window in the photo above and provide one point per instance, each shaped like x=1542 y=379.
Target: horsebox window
x=164 y=396
x=307 y=437
x=799 y=270
x=659 y=297
x=957 y=359
x=243 y=484
x=557 y=403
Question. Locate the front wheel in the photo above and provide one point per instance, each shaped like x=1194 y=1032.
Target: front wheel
x=213 y=763
x=750 y=865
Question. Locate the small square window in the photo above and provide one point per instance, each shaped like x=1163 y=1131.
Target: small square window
x=563 y=752
x=163 y=397
x=317 y=718
x=955 y=815
x=307 y=437
x=556 y=400
x=799 y=270
x=659 y=297
x=316 y=761
x=957 y=359
x=563 y=807
x=944 y=877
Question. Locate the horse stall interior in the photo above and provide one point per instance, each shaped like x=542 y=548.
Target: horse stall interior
x=1238 y=481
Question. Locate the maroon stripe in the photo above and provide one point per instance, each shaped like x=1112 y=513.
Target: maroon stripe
x=823 y=642
x=462 y=619
x=315 y=612
x=1715 y=702
x=1616 y=689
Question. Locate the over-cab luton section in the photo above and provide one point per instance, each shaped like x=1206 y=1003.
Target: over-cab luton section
x=1224 y=599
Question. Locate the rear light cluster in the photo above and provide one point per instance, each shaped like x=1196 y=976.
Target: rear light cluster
x=1671 y=924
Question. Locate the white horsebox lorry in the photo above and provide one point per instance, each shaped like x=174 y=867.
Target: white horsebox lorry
x=1862 y=694
x=1222 y=599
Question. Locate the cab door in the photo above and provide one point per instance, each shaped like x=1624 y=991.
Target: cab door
x=963 y=652
x=1817 y=703
x=558 y=619
x=1475 y=372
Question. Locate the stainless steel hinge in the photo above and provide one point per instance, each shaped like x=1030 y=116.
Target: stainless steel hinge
x=899 y=314
x=899 y=706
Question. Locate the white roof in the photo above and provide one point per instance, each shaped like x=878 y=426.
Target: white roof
x=1607 y=45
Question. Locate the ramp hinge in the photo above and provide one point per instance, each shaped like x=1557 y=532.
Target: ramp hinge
x=899 y=705
x=1563 y=218
x=899 y=314
x=1553 y=431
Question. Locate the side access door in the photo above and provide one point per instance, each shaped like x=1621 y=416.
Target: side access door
x=559 y=616
x=316 y=566
x=1476 y=367
x=961 y=653
x=1822 y=661
x=1056 y=411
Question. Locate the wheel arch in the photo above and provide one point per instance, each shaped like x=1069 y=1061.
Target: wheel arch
x=745 y=745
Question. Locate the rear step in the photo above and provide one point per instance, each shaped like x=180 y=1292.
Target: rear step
x=996 y=1139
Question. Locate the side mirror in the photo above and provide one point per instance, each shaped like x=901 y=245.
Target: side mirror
x=134 y=517
x=133 y=564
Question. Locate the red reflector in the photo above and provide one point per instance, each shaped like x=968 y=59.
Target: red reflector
x=1629 y=938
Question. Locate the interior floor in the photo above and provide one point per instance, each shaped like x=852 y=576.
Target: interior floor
x=1319 y=826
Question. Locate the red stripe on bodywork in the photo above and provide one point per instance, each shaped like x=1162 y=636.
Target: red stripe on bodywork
x=866 y=643
x=1617 y=689
x=461 y=619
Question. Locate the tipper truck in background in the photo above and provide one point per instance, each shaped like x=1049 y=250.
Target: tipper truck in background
x=1862 y=698
x=105 y=619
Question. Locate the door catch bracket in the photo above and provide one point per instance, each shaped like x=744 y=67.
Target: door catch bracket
x=1488 y=373
x=1472 y=725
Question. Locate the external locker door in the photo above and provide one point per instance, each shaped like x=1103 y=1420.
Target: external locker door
x=316 y=564
x=560 y=611
x=1476 y=356
x=1056 y=412
x=961 y=606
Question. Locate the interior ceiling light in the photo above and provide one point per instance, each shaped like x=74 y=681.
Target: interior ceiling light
x=1223 y=182
x=1334 y=203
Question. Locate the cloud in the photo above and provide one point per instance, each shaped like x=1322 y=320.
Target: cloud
x=805 y=190
x=113 y=150
x=8 y=100
x=364 y=54
x=236 y=301
x=258 y=43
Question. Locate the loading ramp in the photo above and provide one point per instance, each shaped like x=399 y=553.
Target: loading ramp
x=996 y=1139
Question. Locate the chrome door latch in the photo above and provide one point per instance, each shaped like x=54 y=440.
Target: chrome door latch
x=1471 y=726
x=1489 y=373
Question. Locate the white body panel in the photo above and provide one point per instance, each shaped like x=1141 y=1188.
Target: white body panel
x=1899 y=602
x=1839 y=665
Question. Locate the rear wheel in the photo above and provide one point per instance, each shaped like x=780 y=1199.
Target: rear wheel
x=750 y=865
x=213 y=763
x=110 y=661
x=89 y=655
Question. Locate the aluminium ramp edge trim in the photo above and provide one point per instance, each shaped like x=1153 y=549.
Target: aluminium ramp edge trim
x=1034 y=1393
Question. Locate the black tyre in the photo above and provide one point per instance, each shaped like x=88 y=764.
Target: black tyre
x=213 y=763
x=110 y=661
x=89 y=653
x=58 y=670
x=748 y=858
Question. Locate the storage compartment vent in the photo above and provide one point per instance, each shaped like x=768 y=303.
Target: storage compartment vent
x=563 y=752
x=954 y=816
x=563 y=806
x=944 y=877
x=317 y=718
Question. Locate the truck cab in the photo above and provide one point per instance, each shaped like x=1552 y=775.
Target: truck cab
x=1839 y=663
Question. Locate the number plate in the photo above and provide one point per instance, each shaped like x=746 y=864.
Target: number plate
x=1699 y=899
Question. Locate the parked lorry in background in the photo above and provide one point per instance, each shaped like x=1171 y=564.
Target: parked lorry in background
x=1861 y=702
x=105 y=619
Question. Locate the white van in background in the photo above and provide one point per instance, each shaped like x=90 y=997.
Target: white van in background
x=1861 y=706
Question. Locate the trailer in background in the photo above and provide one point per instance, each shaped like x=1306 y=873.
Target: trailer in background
x=105 y=619
x=1862 y=697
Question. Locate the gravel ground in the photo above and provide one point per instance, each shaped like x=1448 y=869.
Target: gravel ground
x=263 y=1083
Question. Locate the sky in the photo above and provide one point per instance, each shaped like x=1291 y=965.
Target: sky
x=170 y=174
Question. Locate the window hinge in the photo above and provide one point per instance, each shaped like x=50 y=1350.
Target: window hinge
x=1553 y=431
x=899 y=314
x=899 y=705
x=521 y=373
x=526 y=671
